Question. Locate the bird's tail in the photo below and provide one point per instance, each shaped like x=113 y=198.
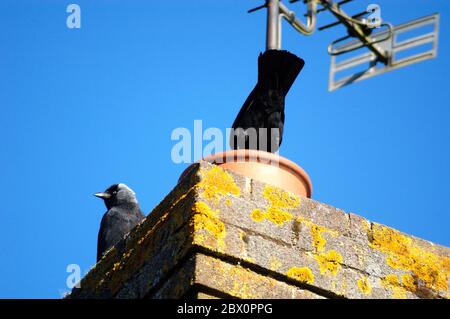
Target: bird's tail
x=278 y=69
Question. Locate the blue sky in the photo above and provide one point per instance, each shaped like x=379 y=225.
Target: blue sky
x=81 y=109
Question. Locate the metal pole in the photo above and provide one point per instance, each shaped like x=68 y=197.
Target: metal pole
x=272 y=33
x=310 y=25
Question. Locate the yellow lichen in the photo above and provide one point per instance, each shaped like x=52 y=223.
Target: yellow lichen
x=241 y=290
x=409 y=282
x=364 y=286
x=278 y=216
x=280 y=202
x=207 y=219
x=128 y=253
x=398 y=293
x=303 y=274
x=258 y=215
x=392 y=282
x=402 y=253
x=275 y=263
x=153 y=229
x=215 y=182
x=199 y=239
x=116 y=266
x=399 y=287
x=279 y=198
x=318 y=241
x=329 y=262
x=249 y=259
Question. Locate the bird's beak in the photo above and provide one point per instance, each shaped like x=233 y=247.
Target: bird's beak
x=102 y=195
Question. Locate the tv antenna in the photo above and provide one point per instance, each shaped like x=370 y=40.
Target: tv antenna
x=385 y=47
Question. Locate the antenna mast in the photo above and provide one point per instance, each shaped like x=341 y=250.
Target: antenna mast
x=382 y=46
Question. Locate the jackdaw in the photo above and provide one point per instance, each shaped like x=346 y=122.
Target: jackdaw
x=122 y=216
x=260 y=122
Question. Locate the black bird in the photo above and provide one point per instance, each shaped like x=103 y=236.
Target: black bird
x=264 y=107
x=122 y=216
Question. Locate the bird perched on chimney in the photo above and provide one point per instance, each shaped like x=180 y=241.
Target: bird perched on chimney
x=263 y=110
x=122 y=216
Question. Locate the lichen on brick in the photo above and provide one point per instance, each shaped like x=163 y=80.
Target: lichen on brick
x=278 y=216
x=329 y=262
x=256 y=261
x=392 y=282
x=241 y=290
x=279 y=198
x=116 y=266
x=318 y=241
x=216 y=183
x=151 y=230
x=258 y=215
x=207 y=219
x=402 y=253
x=280 y=203
x=275 y=263
x=364 y=286
x=303 y=274
x=409 y=282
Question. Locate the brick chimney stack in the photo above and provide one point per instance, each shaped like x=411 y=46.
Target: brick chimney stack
x=218 y=234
